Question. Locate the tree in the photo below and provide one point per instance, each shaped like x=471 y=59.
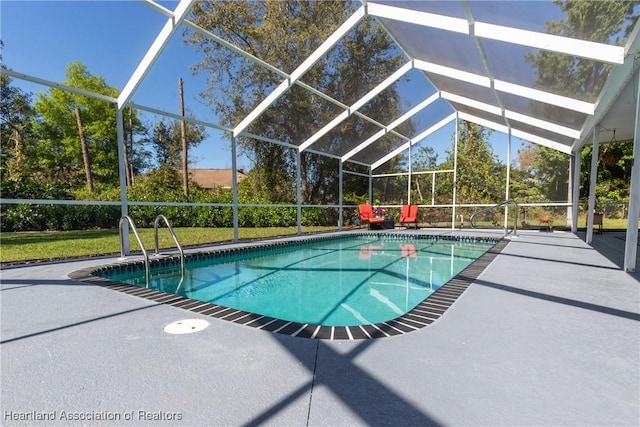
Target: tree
x=15 y=128
x=604 y=21
x=614 y=171
x=58 y=145
x=424 y=159
x=546 y=169
x=480 y=177
x=166 y=140
x=136 y=155
x=16 y=114
x=284 y=33
x=523 y=184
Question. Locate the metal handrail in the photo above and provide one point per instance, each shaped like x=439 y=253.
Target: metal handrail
x=128 y=219
x=505 y=203
x=173 y=235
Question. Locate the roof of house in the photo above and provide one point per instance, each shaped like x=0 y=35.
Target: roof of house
x=213 y=178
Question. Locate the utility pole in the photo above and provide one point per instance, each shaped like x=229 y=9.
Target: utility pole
x=183 y=134
x=85 y=152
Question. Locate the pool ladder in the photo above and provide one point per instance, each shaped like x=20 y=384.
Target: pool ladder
x=514 y=231
x=156 y=223
x=173 y=235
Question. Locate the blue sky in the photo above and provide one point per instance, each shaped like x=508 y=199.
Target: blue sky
x=110 y=38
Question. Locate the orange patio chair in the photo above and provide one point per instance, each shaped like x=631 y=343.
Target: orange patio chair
x=409 y=215
x=366 y=215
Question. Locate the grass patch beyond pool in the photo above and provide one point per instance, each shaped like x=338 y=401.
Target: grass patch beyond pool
x=48 y=245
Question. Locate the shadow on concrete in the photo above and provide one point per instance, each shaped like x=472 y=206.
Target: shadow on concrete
x=561 y=261
x=372 y=401
x=586 y=248
x=71 y=325
x=611 y=245
x=10 y=284
x=560 y=300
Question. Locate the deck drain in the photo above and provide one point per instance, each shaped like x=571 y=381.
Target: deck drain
x=186 y=326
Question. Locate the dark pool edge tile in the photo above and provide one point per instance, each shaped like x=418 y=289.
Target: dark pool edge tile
x=423 y=315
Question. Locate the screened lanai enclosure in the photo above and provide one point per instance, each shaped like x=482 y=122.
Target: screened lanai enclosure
x=352 y=99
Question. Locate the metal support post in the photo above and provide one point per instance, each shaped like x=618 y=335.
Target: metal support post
x=299 y=191
x=592 y=182
x=371 y=186
x=631 y=241
x=575 y=166
x=122 y=173
x=409 y=177
x=455 y=173
x=340 y=210
x=234 y=189
x=506 y=186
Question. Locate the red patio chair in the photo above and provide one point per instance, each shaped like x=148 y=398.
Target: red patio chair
x=366 y=215
x=409 y=215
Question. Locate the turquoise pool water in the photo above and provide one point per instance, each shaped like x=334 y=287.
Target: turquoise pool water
x=333 y=282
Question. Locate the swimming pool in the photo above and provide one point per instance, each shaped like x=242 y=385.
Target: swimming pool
x=351 y=282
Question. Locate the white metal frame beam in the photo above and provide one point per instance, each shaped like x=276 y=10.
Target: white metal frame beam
x=472 y=103
x=420 y=18
x=49 y=83
x=452 y=73
x=541 y=141
x=406 y=116
x=508 y=114
x=358 y=104
x=169 y=28
x=468 y=26
x=517 y=133
x=234 y=48
x=178 y=117
x=414 y=140
x=552 y=127
x=615 y=84
x=160 y=8
x=565 y=45
x=258 y=61
x=545 y=97
x=270 y=67
x=486 y=123
x=457 y=25
x=585 y=49
x=261 y=63
x=300 y=70
x=570 y=46
x=506 y=87
x=483 y=122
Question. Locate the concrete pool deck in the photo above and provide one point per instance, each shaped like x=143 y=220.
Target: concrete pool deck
x=548 y=334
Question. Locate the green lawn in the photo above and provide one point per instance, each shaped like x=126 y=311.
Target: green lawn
x=46 y=245
x=607 y=223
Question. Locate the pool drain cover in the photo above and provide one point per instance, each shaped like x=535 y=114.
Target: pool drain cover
x=186 y=326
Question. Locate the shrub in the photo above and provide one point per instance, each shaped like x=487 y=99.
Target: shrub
x=156 y=187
